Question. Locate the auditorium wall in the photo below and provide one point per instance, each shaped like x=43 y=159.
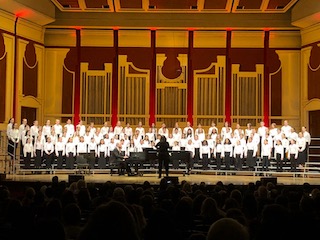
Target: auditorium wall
x=21 y=69
x=135 y=55
x=145 y=75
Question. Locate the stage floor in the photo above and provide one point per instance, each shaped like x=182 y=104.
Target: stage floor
x=209 y=179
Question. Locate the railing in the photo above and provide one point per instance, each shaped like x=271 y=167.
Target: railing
x=9 y=160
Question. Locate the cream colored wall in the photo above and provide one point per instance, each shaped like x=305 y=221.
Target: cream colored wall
x=54 y=63
x=290 y=66
x=308 y=35
x=25 y=30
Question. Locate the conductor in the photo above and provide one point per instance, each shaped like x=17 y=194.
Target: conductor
x=120 y=159
x=163 y=155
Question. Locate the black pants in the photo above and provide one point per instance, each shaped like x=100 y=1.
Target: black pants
x=279 y=162
x=27 y=160
x=124 y=166
x=293 y=162
x=59 y=160
x=92 y=159
x=102 y=161
x=227 y=160
x=218 y=160
x=164 y=160
x=251 y=160
x=69 y=161
x=205 y=161
x=265 y=163
x=49 y=160
x=238 y=162
x=38 y=158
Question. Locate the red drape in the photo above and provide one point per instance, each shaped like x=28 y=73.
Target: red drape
x=190 y=79
x=76 y=100
x=153 y=72
x=228 y=78
x=266 y=79
x=115 y=71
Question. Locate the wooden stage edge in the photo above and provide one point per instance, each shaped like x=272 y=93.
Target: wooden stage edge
x=193 y=178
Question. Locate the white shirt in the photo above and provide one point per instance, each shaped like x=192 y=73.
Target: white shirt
x=48 y=147
x=34 y=131
x=262 y=131
x=28 y=148
x=117 y=130
x=70 y=129
x=227 y=148
x=81 y=147
x=22 y=130
x=57 y=129
x=46 y=130
x=102 y=150
x=293 y=149
x=104 y=130
x=190 y=148
x=301 y=143
x=238 y=150
x=218 y=149
x=278 y=149
x=82 y=129
x=60 y=147
x=251 y=146
x=164 y=132
x=141 y=131
x=205 y=149
x=286 y=130
x=92 y=146
x=14 y=135
x=128 y=131
x=307 y=136
x=70 y=148
x=265 y=150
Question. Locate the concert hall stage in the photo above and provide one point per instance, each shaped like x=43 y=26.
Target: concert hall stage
x=194 y=178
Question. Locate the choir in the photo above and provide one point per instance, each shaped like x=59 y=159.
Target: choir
x=225 y=149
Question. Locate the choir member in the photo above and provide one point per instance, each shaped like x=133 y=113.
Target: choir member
x=14 y=138
x=190 y=160
x=28 y=153
x=92 y=151
x=70 y=153
x=212 y=129
x=250 y=153
x=265 y=155
x=205 y=153
x=279 y=155
x=105 y=128
x=58 y=128
x=46 y=129
x=60 y=148
x=48 y=149
x=69 y=128
x=238 y=153
x=102 y=150
x=301 y=143
x=217 y=153
x=227 y=153
x=38 y=148
x=118 y=128
x=293 y=152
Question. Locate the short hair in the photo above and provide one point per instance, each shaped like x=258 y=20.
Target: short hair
x=220 y=230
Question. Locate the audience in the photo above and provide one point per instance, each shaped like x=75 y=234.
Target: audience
x=81 y=210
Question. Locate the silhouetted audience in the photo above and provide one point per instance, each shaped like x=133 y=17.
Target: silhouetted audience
x=184 y=211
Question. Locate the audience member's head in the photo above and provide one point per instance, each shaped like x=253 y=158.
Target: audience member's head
x=227 y=229
x=110 y=221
